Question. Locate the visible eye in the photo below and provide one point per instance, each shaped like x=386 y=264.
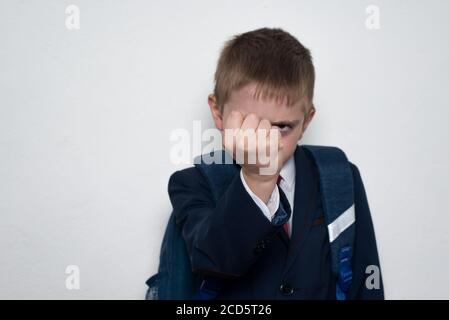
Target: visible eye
x=284 y=128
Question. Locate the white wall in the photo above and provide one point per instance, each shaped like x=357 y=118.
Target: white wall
x=85 y=119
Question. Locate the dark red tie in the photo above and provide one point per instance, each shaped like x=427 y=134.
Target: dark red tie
x=285 y=224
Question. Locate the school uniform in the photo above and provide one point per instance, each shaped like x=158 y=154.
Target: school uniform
x=234 y=239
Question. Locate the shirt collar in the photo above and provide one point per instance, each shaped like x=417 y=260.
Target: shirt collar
x=288 y=172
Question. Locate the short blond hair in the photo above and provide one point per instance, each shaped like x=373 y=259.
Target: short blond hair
x=276 y=61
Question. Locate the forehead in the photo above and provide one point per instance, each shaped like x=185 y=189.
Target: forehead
x=244 y=100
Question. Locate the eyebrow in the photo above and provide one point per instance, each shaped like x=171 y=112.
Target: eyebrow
x=285 y=123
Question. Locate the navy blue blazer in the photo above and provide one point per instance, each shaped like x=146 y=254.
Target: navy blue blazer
x=232 y=239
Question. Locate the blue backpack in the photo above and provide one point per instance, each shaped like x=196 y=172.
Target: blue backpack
x=175 y=280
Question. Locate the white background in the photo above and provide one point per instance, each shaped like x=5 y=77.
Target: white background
x=86 y=115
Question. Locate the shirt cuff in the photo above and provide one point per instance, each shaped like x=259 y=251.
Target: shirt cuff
x=268 y=209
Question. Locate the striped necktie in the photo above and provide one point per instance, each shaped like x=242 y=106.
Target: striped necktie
x=285 y=224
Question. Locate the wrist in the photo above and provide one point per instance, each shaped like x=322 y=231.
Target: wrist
x=255 y=176
x=261 y=186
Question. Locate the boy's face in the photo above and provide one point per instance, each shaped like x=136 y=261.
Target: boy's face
x=291 y=121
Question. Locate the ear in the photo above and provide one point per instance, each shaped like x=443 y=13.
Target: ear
x=308 y=118
x=215 y=111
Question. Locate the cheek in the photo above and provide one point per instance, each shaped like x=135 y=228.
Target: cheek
x=291 y=140
x=289 y=143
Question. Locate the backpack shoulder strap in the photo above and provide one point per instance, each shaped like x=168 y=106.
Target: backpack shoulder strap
x=337 y=196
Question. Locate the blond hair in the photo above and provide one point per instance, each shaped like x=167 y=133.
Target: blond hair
x=279 y=64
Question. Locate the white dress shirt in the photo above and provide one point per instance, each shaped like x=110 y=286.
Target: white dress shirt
x=287 y=184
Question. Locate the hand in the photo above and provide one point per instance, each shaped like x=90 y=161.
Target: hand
x=257 y=147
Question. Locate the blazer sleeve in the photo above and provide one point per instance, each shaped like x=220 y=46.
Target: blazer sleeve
x=223 y=239
x=366 y=266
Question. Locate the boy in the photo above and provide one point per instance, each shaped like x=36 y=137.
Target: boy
x=265 y=81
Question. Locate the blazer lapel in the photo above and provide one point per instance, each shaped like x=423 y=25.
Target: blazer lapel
x=305 y=204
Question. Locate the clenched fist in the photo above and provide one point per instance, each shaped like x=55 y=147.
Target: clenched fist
x=257 y=147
